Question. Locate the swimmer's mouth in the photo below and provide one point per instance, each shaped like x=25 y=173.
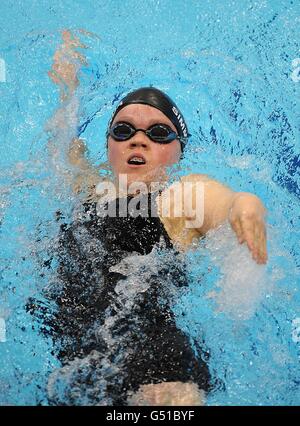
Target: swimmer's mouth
x=136 y=160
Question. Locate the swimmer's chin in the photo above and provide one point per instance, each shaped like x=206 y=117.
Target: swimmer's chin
x=135 y=175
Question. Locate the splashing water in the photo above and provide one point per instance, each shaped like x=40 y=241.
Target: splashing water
x=242 y=283
x=233 y=71
x=244 y=322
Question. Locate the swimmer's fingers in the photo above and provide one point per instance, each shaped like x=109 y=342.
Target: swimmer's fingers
x=71 y=42
x=261 y=242
x=80 y=57
x=247 y=219
x=53 y=76
x=70 y=39
x=247 y=226
x=67 y=62
x=254 y=233
x=236 y=226
x=256 y=244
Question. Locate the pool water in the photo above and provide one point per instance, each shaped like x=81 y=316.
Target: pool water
x=234 y=69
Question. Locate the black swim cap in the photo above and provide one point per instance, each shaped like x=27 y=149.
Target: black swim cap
x=157 y=99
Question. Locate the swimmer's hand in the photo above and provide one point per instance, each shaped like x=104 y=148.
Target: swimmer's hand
x=67 y=62
x=247 y=220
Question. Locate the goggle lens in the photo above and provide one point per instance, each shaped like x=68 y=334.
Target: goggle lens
x=161 y=133
x=121 y=131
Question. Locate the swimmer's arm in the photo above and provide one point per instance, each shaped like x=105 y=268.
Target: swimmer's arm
x=67 y=62
x=244 y=211
x=87 y=176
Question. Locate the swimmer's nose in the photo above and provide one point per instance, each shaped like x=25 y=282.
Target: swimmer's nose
x=139 y=140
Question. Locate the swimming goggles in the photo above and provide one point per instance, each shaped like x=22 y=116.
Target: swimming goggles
x=160 y=133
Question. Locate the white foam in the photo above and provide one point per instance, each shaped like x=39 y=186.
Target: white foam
x=242 y=281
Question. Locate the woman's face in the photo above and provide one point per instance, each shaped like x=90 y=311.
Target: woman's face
x=157 y=156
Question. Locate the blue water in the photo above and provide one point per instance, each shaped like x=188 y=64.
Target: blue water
x=233 y=68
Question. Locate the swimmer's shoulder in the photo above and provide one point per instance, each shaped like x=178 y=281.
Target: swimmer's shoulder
x=195 y=177
x=175 y=209
x=179 y=185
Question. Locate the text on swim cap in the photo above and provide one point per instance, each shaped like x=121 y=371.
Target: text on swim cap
x=180 y=120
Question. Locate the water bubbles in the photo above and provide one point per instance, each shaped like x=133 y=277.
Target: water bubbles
x=82 y=381
x=242 y=283
x=242 y=77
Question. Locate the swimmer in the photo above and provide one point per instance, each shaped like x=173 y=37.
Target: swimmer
x=146 y=135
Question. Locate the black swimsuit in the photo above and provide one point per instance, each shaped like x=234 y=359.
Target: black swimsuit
x=113 y=306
